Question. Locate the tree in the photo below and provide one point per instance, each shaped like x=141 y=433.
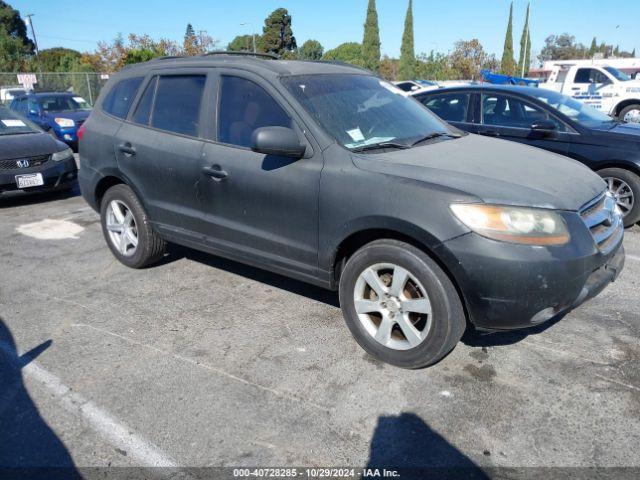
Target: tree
x=633 y=53
x=56 y=59
x=244 y=43
x=13 y=26
x=594 y=47
x=277 y=35
x=190 y=43
x=563 y=47
x=468 y=58
x=524 y=62
x=12 y=53
x=389 y=68
x=508 y=64
x=371 y=40
x=435 y=66
x=350 y=52
x=406 y=68
x=311 y=50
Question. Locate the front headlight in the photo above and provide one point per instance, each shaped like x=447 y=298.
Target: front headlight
x=63 y=155
x=65 y=122
x=529 y=226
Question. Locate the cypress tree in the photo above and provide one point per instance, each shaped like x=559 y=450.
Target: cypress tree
x=525 y=47
x=594 y=47
x=371 y=40
x=508 y=64
x=407 y=55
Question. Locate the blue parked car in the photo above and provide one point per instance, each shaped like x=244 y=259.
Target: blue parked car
x=60 y=114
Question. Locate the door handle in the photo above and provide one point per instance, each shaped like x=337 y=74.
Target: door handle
x=215 y=172
x=575 y=89
x=127 y=149
x=490 y=133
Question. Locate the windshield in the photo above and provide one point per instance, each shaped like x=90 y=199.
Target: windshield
x=621 y=76
x=575 y=110
x=12 y=124
x=60 y=103
x=362 y=110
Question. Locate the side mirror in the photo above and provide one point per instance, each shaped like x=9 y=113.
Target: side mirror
x=278 y=141
x=545 y=126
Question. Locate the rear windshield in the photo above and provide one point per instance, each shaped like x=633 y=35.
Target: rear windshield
x=12 y=124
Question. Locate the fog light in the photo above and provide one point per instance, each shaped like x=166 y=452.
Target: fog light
x=544 y=315
x=67 y=137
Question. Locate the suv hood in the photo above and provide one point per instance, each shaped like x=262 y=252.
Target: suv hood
x=494 y=171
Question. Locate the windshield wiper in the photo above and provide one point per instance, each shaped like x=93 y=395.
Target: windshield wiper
x=433 y=135
x=381 y=145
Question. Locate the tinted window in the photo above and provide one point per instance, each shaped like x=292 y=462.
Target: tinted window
x=505 y=111
x=119 y=99
x=590 y=75
x=406 y=86
x=452 y=107
x=245 y=107
x=143 y=110
x=177 y=104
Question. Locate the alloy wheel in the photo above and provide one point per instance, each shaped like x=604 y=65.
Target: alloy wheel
x=122 y=228
x=393 y=306
x=632 y=116
x=623 y=194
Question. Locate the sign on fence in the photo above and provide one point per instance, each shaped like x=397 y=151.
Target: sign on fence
x=27 y=80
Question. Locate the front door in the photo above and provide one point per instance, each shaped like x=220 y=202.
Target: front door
x=510 y=118
x=159 y=148
x=263 y=207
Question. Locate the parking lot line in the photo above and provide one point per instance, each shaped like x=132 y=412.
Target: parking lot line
x=195 y=363
x=633 y=257
x=115 y=432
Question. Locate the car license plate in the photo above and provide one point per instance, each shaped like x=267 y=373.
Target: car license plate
x=26 y=181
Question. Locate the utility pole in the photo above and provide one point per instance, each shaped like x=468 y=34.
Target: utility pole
x=35 y=41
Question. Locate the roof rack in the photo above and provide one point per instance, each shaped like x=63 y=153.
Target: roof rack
x=243 y=53
x=341 y=63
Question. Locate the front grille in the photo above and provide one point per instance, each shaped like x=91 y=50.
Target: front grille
x=33 y=161
x=604 y=222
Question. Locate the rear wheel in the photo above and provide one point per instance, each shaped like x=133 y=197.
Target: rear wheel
x=625 y=187
x=127 y=229
x=400 y=305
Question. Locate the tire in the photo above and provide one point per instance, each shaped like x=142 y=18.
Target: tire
x=150 y=248
x=628 y=109
x=616 y=177
x=439 y=330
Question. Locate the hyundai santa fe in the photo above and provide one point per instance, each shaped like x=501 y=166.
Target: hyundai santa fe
x=326 y=173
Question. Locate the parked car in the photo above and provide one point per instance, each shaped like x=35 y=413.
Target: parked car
x=415 y=86
x=60 y=114
x=554 y=122
x=328 y=174
x=603 y=87
x=31 y=160
x=8 y=93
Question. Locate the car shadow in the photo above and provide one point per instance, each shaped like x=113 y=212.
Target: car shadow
x=475 y=338
x=407 y=444
x=19 y=199
x=29 y=448
x=177 y=252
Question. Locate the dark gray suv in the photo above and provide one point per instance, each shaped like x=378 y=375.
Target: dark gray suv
x=330 y=175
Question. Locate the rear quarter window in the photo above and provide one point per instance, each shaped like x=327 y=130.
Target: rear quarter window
x=119 y=99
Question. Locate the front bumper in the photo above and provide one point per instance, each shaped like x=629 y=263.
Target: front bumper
x=56 y=175
x=67 y=135
x=508 y=286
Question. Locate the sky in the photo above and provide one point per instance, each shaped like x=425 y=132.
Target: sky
x=438 y=23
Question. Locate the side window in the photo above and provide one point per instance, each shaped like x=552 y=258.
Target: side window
x=590 y=75
x=583 y=75
x=119 y=99
x=177 y=103
x=506 y=111
x=30 y=105
x=143 y=110
x=451 y=107
x=245 y=107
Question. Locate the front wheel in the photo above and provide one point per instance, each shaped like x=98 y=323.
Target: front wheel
x=400 y=306
x=630 y=114
x=625 y=187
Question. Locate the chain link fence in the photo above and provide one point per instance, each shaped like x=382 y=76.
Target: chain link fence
x=83 y=84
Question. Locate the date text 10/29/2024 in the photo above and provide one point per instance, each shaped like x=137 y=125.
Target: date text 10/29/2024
x=315 y=473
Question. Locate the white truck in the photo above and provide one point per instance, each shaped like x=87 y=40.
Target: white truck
x=603 y=87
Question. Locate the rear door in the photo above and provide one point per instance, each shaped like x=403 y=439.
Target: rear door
x=453 y=107
x=261 y=206
x=509 y=117
x=159 y=146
